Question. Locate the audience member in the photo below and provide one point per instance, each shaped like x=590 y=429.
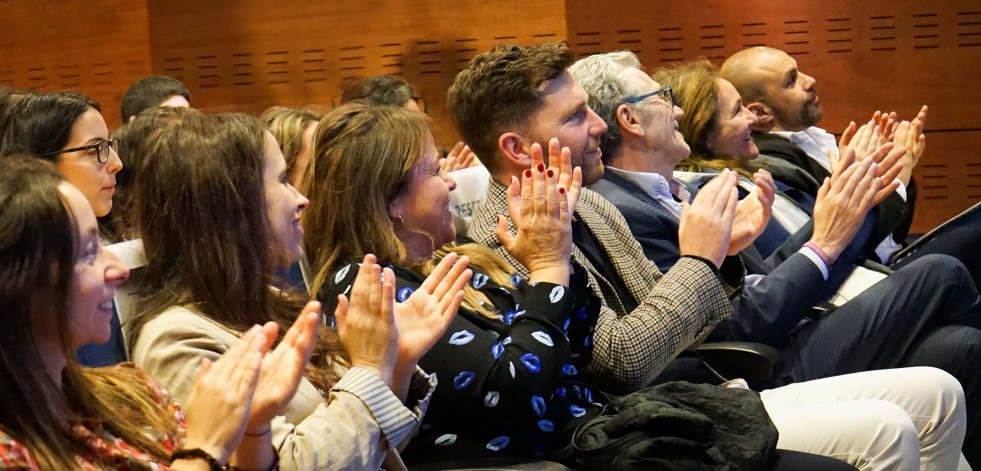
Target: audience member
x=67 y=129
x=386 y=90
x=913 y=313
x=8 y=98
x=151 y=92
x=512 y=97
x=510 y=357
x=59 y=415
x=293 y=130
x=211 y=249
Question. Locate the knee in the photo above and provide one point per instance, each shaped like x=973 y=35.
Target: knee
x=890 y=433
x=944 y=270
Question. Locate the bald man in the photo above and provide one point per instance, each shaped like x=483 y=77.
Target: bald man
x=787 y=107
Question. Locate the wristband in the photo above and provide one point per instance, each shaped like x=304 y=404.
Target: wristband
x=820 y=253
x=196 y=453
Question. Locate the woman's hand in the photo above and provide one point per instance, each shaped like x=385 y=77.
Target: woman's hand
x=540 y=209
x=283 y=367
x=752 y=213
x=366 y=324
x=706 y=224
x=217 y=410
x=460 y=157
x=425 y=315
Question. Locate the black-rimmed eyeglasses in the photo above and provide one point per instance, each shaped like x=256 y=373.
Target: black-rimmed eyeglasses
x=666 y=94
x=102 y=149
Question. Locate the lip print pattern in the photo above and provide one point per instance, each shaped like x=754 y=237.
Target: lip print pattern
x=569 y=370
x=497 y=350
x=445 y=440
x=404 y=294
x=556 y=294
x=498 y=443
x=538 y=405
x=582 y=314
x=341 y=274
x=577 y=411
x=491 y=399
x=546 y=425
x=462 y=337
x=531 y=362
x=560 y=391
x=511 y=368
x=508 y=317
x=463 y=380
x=515 y=280
x=543 y=338
x=479 y=280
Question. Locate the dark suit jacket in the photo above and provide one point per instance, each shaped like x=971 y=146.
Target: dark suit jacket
x=767 y=312
x=791 y=165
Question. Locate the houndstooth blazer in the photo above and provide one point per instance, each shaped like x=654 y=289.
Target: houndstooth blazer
x=676 y=309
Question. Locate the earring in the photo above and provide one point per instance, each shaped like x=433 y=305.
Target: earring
x=400 y=223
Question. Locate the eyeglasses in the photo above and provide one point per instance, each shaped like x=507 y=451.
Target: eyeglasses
x=102 y=147
x=666 y=94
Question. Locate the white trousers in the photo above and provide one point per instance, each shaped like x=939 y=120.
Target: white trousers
x=898 y=419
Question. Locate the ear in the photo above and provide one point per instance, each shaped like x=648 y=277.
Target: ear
x=395 y=208
x=514 y=150
x=763 y=115
x=629 y=121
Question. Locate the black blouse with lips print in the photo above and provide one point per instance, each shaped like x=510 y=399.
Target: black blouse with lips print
x=507 y=386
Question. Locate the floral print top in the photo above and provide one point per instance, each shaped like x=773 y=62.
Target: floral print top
x=105 y=450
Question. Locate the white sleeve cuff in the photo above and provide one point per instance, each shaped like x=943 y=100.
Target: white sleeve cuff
x=814 y=257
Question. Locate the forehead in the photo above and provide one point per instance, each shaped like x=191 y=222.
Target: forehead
x=561 y=95
x=273 y=161
x=776 y=64
x=90 y=125
x=727 y=93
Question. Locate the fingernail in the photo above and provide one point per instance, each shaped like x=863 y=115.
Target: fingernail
x=541 y=167
x=550 y=173
x=528 y=173
x=561 y=190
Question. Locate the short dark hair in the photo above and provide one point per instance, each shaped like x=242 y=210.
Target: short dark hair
x=498 y=91
x=381 y=90
x=149 y=92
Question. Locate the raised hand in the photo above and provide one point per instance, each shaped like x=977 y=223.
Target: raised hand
x=752 y=213
x=560 y=160
x=540 y=210
x=706 y=224
x=426 y=314
x=910 y=135
x=842 y=203
x=459 y=157
x=283 y=367
x=366 y=324
x=217 y=410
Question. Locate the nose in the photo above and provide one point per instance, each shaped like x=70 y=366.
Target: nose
x=301 y=201
x=116 y=271
x=597 y=125
x=450 y=181
x=808 y=81
x=678 y=112
x=750 y=116
x=115 y=163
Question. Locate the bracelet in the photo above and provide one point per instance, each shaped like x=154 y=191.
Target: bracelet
x=196 y=453
x=819 y=252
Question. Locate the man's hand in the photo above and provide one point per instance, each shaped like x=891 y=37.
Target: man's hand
x=706 y=224
x=460 y=157
x=752 y=213
x=910 y=135
x=842 y=203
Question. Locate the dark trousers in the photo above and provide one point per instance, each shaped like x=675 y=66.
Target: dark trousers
x=926 y=314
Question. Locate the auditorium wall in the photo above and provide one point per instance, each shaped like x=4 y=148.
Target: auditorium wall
x=247 y=55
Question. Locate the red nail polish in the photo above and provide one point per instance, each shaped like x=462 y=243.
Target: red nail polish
x=550 y=173
x=561 y=190
x=541 y=167
x=528 y=173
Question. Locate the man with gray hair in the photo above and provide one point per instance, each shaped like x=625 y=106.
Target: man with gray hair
x=863 y=334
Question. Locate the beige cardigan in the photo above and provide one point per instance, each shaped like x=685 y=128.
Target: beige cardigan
x=353 y=430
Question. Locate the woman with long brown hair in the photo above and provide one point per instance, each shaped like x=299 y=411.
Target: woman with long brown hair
x=211 y=249
x=56 y=295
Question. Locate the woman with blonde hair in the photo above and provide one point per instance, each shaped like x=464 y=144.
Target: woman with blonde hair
x=293 y=130
x=211 y=249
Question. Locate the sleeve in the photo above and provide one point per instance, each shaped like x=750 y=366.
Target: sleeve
x=344 y=434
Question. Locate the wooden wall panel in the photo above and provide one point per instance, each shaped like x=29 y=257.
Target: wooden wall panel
x=881 y=54
x=96 y=47
x=245 y=55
